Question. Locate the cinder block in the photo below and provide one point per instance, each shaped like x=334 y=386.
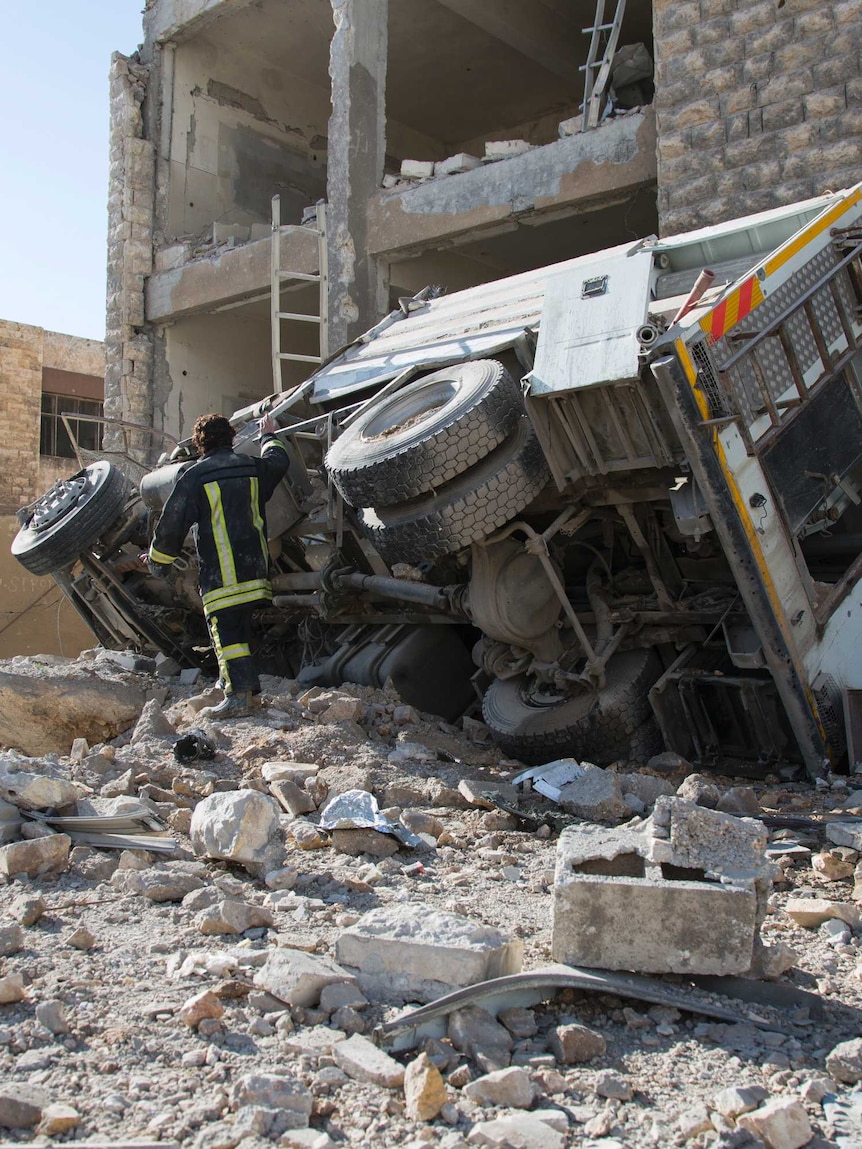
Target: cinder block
x=417 y=169
x=502 y=149
x=454 y=165
x=651 y=924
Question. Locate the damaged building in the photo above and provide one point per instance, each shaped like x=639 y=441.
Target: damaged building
x=445 y=137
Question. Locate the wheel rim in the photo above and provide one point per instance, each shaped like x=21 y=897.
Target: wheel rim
x=62 y=498
x=406 y=410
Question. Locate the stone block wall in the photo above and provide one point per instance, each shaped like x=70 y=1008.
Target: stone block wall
x=20 y=405
x=128 y=345
x=759 y=104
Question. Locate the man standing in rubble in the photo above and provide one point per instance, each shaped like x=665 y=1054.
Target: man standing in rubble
x=223 y=496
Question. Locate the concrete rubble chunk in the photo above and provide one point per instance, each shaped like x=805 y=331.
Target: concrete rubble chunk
x=58 y=1118
x=11 y=988
x=202 y=1005
x=482 y=791
x=845 y=834
x=230 y=916
x=237 y=826
x=424 y=1090
x=781 y=1124
x=364 y=840
x=363 y=1061
x=519 y=1131
x=167 y=883
x=595 y=795
x=476 y=1032
x=45 y=714
x=292 y=798
x=21 y=1105
x=298 y=977
x=417 y=169
x=844 y=1063
x=37 y=788
x=454 y=165
x=738 y=1099
x=812 y=912
x=274 y=1091
x=833 y=868
x=152 y=726
x=574 y=1044
x=707 y=839
x=502 y=149
x=407 y=952
x=36 y=857
x=511 y=1087
x=11 y=939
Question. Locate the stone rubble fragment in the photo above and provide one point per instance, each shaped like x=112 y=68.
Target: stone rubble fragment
x=781 y=1123
x=36 y=857
x=298 y=978
x=844 y=1063
x=511 y=1086
x=363 y=1061
x=424 y=1090
x=201 y=1006
x=238 y=826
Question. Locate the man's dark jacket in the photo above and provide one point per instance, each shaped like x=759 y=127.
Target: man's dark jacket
x=223 y=495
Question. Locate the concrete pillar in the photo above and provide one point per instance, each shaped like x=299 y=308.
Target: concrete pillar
x=357 y=144
x=128 y=344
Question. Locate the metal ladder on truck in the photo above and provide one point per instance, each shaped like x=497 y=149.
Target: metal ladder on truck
x=278 y=278
x=599 y=56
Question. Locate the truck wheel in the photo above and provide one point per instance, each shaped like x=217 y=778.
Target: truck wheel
x=70 y=517
x=468 y=508
x=436 y=428
x=537 y=725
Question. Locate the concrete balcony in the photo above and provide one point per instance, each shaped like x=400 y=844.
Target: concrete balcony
x=229 y=276
x=576 y=174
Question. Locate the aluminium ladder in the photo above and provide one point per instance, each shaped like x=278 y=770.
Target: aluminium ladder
x=601 y=58
x=279 y=277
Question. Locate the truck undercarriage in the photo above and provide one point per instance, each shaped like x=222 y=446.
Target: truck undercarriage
x=620 y=515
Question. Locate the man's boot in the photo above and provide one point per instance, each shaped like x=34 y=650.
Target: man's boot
x=236 y=705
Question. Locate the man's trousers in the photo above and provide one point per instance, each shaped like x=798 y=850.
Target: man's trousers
x=230 y=632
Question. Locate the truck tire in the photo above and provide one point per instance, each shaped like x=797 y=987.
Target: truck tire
x=598 y=726
x=70 y=517
x=468 y=508
x=435 y=428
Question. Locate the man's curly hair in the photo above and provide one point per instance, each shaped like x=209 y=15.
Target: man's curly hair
x=212 y=433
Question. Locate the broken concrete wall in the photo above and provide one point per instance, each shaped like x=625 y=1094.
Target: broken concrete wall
x=241 y=131
x=128 y=345
x=217 y=363
x=758 y=105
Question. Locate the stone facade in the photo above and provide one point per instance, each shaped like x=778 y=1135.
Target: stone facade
x=129 y=348
x=759 y=104
x=35 y=617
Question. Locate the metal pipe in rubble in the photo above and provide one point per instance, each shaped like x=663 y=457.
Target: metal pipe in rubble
x=704 y=281
x=398 y=588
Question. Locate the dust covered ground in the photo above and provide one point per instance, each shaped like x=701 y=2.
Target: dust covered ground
x=96 y=1046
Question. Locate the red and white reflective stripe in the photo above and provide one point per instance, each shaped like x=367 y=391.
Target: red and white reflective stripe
x=732 y=310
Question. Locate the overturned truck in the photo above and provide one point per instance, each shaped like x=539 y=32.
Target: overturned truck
x=618 y=499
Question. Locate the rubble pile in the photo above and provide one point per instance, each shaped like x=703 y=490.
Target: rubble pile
x=278 y=931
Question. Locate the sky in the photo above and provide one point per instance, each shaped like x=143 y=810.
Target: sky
x=54 y=157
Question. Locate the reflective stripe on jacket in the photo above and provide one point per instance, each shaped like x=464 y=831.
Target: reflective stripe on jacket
x=223 y=496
